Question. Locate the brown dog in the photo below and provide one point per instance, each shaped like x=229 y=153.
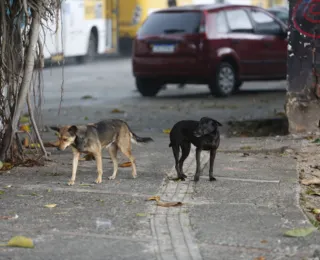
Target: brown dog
x=112 y=134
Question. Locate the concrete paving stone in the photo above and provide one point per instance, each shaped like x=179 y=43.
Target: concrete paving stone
x=248 y=225
x=73 y=247
x=75 y=212
x=255 y=166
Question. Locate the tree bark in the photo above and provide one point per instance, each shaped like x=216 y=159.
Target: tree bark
x=25 y=85
x=303 y=95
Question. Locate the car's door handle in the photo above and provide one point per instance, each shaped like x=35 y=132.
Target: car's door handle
x=235 y=41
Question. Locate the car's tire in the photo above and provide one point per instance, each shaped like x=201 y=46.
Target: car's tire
x=91 y=51
x=148 y=87
x=224 y=81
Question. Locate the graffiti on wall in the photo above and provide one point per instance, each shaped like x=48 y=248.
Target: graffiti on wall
x=306 y=17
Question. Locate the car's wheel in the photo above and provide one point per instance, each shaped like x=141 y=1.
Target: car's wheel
x=91 y=51
x=224 y=82
x=148 y=87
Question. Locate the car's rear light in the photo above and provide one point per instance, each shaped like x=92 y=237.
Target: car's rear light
x=136 y=15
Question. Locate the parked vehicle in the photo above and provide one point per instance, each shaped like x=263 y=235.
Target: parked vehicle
x=84 y=30
x=221 y=45
x=282 y=13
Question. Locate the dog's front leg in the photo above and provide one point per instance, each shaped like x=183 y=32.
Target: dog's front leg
x=212 y=158
x=98 y=157
x=197 y=175
x=76 y=156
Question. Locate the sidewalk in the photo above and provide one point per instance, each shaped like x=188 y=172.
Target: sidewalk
x=242 y=215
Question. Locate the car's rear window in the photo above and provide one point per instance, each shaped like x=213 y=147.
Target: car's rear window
x=171 y=22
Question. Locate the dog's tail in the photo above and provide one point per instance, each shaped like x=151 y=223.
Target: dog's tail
x=137 y=139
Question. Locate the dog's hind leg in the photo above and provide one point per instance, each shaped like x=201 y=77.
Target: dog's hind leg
x=212 y=158
x=113 y=149
x=185 y=149
x=176 y=153
x=197 y=175
x=76 y=156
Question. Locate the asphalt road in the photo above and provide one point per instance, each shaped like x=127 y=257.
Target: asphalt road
x=91 y=92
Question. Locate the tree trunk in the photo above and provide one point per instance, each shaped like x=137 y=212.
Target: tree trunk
x=25 y=85
x=303 y=95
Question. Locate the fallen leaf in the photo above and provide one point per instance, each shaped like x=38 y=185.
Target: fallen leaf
x=141 y=214
x=156 y=198
x=246 y=148
x=166 y=131
x=6 y=166
x=24 y=119
x=169 y=204
x=260 y=258
x=312 y=192
x=310 y=181
x=21 y=241
x=26 y=142
x=32 y=146
x=86 y=97
x=125 y=164
x=86 y=118
x=50 y=205
x=116 y=110
x=9 y=217
x=34 y=194
x=25 y=128
x=263 y=241
x=49 y=190
x=8 y=186
x=316 y=211
x=1 y=192
x=317 y=141
x=299 y=232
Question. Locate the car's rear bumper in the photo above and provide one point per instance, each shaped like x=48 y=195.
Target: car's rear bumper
x=170 y=69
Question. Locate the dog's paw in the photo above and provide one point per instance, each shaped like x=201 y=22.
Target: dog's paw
x=134 y=176
x=196 y=178
x=111 y=177
x=70 y=183
x=98 y=180
x=211 y=178
x=184 y=176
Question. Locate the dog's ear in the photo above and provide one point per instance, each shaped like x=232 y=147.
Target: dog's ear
x=55 y=128
x=73 y=130
x=216 y=122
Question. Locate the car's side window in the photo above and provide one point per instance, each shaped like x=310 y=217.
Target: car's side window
x=264 y=24
x=221 y=22
x=239 y=20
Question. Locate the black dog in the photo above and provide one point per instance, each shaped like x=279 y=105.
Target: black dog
x=203 y=134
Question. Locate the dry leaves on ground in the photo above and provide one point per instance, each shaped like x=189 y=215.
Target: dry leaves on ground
x=164 y=204
x=299 y=232
x=125 y=164
x=166 y=131
x=310 y=181
x=50 y=205
x=116 y=110
x=20 y=241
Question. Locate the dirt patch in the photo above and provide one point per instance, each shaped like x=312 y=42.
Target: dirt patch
x=258 y=128
x=309 y=172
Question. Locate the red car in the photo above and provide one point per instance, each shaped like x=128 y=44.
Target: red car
x=221 y=45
